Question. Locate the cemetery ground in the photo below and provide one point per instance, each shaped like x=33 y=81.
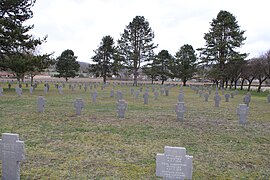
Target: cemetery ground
x=98 y=145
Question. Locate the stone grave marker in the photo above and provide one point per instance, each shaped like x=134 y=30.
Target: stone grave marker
x=119 y=95
x=121 y=108
x=11 y=153
x=180 y=109
x=85 y=88
x=247 y=99
x=60 y=89
x=94 y=96
x=79 y=105
x=217 y=99
x=45 y=90
x=174 y=164
x=227 y=97
x=31 y=89
x=137 y=93
x=41 y=104
x=19 y=91
x=268 y=98
x=236 y=92
x=1 y=91
x=242 y=112
x=162 y=91
x=112 y=93
x=145 y=98
x=232 y=94
x=181 y=97
x=206 y=96
x=166 y=92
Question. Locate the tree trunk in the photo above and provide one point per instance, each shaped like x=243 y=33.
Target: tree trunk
x=235 y=84
x=31 y=79
x=66 y=79
x=162 y=81
x=260 y=86
x=135 y=82
x=249 y=84
x=184 y=82
x=104 y=79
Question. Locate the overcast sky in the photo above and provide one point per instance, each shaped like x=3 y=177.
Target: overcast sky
x=79 y=25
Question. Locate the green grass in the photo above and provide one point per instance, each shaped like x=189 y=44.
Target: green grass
x=98 y=145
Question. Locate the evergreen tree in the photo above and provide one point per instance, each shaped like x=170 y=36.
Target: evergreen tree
x=14 y=36
x=66 y=64
x=222 y=40
x=185 y=63
x=163 y=61
x=136 y=45
x=105 y=65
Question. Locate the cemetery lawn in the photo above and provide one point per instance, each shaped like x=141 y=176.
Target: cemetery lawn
x=99 y=145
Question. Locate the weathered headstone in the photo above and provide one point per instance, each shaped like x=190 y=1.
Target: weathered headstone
x=85 y=88
x=41 y=104
x=227 y=97
x=232 y=94
x=31 y=89
x=242 y=111
x=268 y=98
x=217 y=99
x=162 y=91
x=206 y=96
x=137 y=93
x=180 y=109
x=60 y=89
x=166 y=92
x=247 y=99
x=121 y=108
x=11 y=153
x=45 y=90
x=1 y=91
x=145 y=97
x=19 y=91
x=119 y=95
x=112 y=93
x=94 y=96
x=79 y=105
x=181 y=97
x=174 y=164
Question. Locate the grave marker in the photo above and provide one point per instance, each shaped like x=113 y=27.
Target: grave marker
x=180 y=109
x=227 y=97
x=94 y=96
x=181 y=97
x=247 y=99
x=206 y=96
x=41 y=104
x=268 y=98
x=121 y=108
x=217 y=99
x=11 y=153
x=242 y=111
x=174 y=164
x=1 y=91
x=79 y=105
x=145 y=98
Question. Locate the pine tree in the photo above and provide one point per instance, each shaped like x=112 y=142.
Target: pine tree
x=136 y=45
x=66 y=64
x=222 y=41
x=184 y=65
x=104 y=59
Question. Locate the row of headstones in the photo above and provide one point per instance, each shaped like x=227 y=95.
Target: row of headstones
x=241 y=110
x=173 y=164
x=217 y=97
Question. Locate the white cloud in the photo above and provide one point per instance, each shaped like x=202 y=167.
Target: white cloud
x=80 y=24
